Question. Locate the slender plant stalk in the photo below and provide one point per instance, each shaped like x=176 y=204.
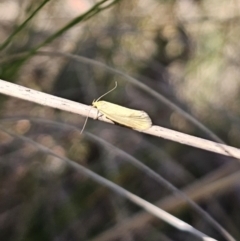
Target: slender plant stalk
x=19 y=28
x=41 y=98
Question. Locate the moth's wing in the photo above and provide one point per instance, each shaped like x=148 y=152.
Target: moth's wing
x=139 y=121
x=111 y=108
x=132 y=118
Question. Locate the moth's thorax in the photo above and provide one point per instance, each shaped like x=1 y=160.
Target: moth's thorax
x=99 y=104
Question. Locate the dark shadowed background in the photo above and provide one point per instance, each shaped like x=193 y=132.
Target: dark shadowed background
x=188 y=51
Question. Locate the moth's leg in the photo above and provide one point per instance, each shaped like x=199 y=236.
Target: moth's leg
x=99 y=114
x=104 y=117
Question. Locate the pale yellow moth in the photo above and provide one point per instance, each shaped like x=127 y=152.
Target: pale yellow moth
x=136 y=119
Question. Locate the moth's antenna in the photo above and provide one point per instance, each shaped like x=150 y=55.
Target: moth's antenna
x=107 y=92
x=85 y=122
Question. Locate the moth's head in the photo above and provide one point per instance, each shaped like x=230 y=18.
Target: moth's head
x=94 y=103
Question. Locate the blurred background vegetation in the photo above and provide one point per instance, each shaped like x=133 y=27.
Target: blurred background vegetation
x=186 y=50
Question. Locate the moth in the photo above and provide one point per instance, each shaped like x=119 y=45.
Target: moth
x=136 y=119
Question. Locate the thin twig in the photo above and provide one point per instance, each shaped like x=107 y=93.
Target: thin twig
x=41 y=98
